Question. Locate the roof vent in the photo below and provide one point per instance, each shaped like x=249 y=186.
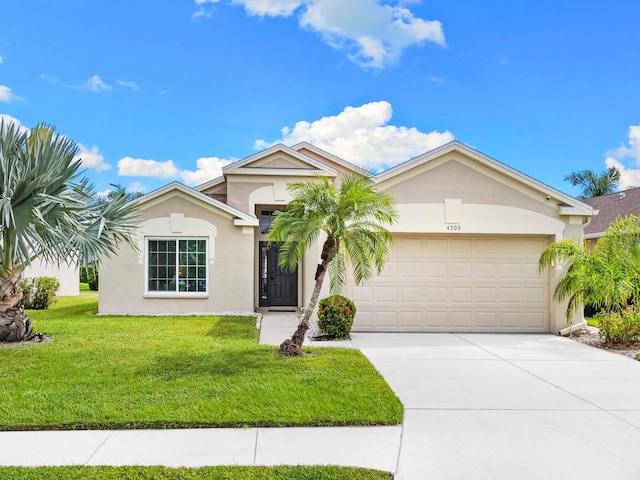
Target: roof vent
x=621 y=195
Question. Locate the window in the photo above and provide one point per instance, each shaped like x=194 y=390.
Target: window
x=177 y=265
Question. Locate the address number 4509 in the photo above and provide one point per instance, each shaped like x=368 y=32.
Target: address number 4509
x=454 y=228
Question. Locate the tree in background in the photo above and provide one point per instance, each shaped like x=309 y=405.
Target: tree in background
x=353 y=218
x=593 y=184
x=48 y=212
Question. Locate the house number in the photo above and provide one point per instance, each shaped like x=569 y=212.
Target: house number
x=454 y=228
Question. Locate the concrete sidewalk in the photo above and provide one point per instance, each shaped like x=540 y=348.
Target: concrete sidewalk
x=371 y=447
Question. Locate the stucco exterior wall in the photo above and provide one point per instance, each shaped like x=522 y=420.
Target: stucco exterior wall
x=122 y=279
x=67 y=275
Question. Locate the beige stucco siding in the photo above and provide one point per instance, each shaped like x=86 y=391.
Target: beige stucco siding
x=472 y=183
x=230 y=279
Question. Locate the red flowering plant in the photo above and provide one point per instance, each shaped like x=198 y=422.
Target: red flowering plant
x=335 y=316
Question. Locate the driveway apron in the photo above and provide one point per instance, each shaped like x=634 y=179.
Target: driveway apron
x=510 y=406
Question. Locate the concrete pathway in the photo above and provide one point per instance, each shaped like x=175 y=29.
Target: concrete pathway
x=477 y=406
x=371 y=447
x=520 y=407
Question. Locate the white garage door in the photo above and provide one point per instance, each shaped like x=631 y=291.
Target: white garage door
x=457 y=283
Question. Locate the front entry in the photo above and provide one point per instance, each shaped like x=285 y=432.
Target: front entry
x=278 y=287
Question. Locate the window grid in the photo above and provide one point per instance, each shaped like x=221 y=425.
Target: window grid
x=177 y=265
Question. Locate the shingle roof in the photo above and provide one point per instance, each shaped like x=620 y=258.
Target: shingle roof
x=612 y=206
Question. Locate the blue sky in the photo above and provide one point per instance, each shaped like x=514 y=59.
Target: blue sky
x=159 y=91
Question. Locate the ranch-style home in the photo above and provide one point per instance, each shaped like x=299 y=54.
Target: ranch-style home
x=464 y=257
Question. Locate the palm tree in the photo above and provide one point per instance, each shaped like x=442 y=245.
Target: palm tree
x=608 y=277
x=353 y=219
x=48 y=212
x=593 y=184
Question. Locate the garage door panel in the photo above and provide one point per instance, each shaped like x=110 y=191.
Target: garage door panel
x=435 y=270
x=411 y=319
x=435 y=320
x=486 y=320
x=436 y=295
x=460 y=270
x=386 y=294
x=411 y=269
x=411 y=294
x=534 y=296
x=486 y=295
x=461 y=295
x=457 y=283
x=461 y=319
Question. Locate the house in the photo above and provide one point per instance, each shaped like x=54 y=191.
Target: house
x=464 y=257
x=610 y=207
x=66 y=273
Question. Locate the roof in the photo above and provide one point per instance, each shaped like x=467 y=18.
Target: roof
x=612 y=206
x=567 y=204
x=241 y=218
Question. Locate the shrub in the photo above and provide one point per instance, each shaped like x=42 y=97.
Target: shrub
x=335 y=316
x=620 y=327
x=87 y=272
x=93 y=281
x=39 y=292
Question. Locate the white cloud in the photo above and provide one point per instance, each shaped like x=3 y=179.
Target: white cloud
x=271 y=8
x=6 y=95
x=7 y=119
x=208 y=169
x=136 y=187
x=203 y=9
x=625 y=157
x=1 y=59
x=361 y=135
x=128 y=83
x=373 y=33
x=92 y=158
x=96 y=84
x=49 y=78
x=138 y=167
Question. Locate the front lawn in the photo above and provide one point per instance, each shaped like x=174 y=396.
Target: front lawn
x=175 y=372
x=206 y=473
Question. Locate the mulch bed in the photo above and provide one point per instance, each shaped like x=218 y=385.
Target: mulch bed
x=591 y=336
x=36 y=340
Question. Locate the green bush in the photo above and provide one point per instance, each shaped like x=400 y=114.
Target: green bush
x=87 y=273
x=619 y=327
x=335 y=316
x=39 y=292
x=93 y=281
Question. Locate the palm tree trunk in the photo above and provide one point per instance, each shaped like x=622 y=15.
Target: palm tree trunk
x=15 y=326
x=292 y=347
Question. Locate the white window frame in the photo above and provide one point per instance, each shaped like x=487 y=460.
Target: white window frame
x=175 y=293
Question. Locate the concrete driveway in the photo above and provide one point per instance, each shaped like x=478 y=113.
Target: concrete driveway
x=500 y=406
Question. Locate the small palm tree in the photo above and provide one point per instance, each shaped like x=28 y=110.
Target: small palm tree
x=608 y=277
x=593 y=184
x=353 y=218
x=47 y=212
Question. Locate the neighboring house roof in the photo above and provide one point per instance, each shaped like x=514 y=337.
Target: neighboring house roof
x=610 y=207
x=241 y=218
x=567 y=204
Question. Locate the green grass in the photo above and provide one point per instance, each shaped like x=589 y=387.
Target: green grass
x=212 y=473
x=176 y=372
x=592 y=321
